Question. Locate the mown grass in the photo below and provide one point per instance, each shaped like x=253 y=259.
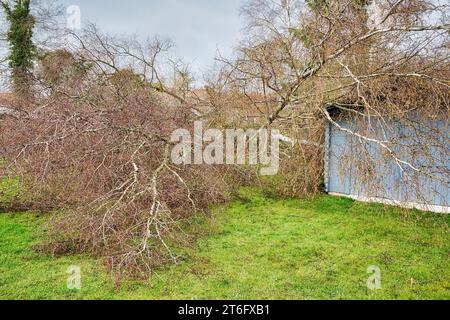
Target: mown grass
x=258 y=248
x=9 y=187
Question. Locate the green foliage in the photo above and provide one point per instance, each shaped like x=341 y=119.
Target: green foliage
x=317 y=5
x=20 y=34
x=259 y=248
x=362 y=3
x=304 y=35
x=322 y=6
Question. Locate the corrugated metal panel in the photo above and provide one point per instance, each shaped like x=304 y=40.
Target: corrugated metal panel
x=388 y=180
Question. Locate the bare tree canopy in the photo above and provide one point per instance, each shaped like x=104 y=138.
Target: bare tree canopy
x=95 y=144
x=382 y=61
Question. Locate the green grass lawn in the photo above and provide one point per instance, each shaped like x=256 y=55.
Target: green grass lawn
x=258 y=248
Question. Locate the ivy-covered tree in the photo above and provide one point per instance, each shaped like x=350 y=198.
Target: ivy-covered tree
x=19 y=36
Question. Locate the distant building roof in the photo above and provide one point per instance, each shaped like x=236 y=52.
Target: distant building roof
x=6 y=99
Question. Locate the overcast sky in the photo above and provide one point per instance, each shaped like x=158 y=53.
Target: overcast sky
x=197 y=27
